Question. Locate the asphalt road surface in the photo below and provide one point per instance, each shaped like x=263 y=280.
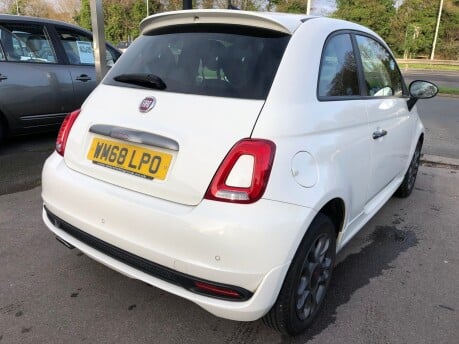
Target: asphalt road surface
x=21 y=161
x=396 y=282
x=441 y=78
x=440 y=116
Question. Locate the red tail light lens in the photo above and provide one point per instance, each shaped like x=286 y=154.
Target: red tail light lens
x=208 y=288
x=64 y=131
x=262 y=152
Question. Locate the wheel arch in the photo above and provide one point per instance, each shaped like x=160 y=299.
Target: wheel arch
x=421 y=138
x=335 y=209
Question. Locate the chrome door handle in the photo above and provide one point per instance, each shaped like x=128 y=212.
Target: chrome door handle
x=3 y=77
x=83 y=77
x=379 y=133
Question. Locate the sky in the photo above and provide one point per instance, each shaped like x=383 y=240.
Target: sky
x=322 y=7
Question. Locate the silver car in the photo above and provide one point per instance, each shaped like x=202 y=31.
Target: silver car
x=46 y=71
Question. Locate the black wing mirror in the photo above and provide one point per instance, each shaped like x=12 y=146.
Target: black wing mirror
x=420 y=89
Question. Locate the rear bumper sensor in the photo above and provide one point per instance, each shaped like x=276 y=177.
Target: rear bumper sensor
x=193 y=284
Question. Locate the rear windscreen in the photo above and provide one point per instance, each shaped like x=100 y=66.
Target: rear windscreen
x=222 y=61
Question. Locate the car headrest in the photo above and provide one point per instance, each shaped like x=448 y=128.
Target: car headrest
x=212 y=53
x=34 y=42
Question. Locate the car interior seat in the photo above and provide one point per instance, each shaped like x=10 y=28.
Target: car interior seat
x=34 y=44
x=71 y=55
x=188 y=63
x=164 y=62
x=213 y=68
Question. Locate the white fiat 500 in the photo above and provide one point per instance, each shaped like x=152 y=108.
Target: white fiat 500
x=227 y=157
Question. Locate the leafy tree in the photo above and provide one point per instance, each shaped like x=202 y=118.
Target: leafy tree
x=83 y=18
x=121 y=17
x=414 y=29
x=448 y=42
x=375 y=14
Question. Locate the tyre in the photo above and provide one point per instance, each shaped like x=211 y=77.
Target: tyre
x=307 y=280
x=407 y=185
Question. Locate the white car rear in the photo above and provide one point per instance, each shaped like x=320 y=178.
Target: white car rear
x=209 y=163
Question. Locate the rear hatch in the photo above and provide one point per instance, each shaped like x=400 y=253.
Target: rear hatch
x=172 y=107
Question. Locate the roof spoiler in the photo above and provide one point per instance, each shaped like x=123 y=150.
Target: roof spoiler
x=211 y=17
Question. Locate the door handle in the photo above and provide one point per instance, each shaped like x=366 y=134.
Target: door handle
x=379 y=133
x=3 y=77
x=83 y=77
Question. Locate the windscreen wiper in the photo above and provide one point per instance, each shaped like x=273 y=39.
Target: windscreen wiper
x=146 y=80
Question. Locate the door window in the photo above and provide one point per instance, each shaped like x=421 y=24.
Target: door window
x=26 y=43
x=2 y=54
x=382 y=76
x=338 y=70
x=78 y=48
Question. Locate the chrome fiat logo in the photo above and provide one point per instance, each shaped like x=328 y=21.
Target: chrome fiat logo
x=147 y=104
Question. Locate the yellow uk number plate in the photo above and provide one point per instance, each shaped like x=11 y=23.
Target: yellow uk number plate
x=131 y=159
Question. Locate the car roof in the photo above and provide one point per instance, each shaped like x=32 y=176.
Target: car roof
x=12 y=17
x=282 y=22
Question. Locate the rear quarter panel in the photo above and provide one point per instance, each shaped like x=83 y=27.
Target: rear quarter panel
x=335 y=133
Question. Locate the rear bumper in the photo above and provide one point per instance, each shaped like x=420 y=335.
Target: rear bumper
x=248 y=246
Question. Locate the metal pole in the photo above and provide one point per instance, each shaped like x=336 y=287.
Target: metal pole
x=187 y=4
x=97 y=20
x=405 y=52
x=148 y=10
x=308 y=7
x=432 y=56
x=17 y=7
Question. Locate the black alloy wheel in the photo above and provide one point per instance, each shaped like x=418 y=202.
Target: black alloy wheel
x=406 y=188
x=314 y=278
x=307 y=280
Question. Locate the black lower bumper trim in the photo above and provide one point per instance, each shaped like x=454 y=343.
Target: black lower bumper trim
x=144 y=265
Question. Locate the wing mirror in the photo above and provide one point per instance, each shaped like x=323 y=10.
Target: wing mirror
x=420 y=89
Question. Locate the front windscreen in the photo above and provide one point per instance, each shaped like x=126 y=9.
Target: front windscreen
x=217 y=60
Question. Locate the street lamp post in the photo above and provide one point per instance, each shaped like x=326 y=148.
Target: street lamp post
x=187 y=4
x=432 y=55
x=97 y=21
x=308 y=7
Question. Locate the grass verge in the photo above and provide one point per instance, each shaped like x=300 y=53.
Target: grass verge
x=404 y=66
x=448 y=90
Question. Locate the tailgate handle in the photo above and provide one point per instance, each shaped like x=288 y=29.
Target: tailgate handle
x=135 y=136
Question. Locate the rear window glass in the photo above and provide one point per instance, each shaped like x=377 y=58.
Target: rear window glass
x=223 y=61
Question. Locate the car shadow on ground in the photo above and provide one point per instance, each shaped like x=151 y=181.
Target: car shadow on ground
x=356 y=271
x=21 y=161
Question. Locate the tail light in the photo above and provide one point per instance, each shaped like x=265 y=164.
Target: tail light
x=243 y=175
x=64 y=131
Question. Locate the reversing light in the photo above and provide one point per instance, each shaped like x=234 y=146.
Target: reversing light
x=244 y=182
x=64 y=131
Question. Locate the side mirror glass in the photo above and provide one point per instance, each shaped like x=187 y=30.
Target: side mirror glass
x=421 y=89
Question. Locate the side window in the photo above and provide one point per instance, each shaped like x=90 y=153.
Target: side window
x=26 y=43
x=78 y=47
x=382 y=77
x=2 y=54
x=338 y=70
